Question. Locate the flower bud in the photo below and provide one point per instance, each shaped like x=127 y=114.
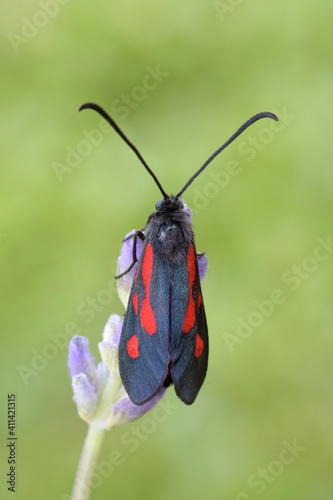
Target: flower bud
x=124 y=410
x=80 y=359
x=125 y=259
x=85 y=396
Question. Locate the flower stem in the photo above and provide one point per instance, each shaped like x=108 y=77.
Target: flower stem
x=92 y=445
x=91 y=448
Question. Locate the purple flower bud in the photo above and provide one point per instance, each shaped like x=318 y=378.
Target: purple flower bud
x=85 y=395
x=203 y=266
x=112 y=329
x=125 y=410
x=124 y=261
x=80 y=359
x=109 y=354
x=109 y=346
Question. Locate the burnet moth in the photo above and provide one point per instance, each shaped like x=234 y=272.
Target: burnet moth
x=164 y=338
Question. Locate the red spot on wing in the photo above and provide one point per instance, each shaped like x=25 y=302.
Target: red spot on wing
x=147 y=317
x=133 y=347
x=190 y=312
x=198 y=346
x=199 y=300
x=135 y=303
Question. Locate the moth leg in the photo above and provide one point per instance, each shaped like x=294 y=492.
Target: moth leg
x=135 y=236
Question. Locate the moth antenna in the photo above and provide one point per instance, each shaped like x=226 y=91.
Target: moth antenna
x=95 y=107
x=250 y=121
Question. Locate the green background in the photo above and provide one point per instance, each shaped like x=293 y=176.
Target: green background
x=59 y=241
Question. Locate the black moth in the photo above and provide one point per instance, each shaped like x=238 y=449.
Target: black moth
x=164 y=338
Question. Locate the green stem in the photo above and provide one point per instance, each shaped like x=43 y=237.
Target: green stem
x=94 y=440
x=91 y=448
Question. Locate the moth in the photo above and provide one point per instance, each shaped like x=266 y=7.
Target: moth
x=164 y=338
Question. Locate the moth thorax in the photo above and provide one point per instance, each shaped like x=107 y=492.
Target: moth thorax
x=170 y=237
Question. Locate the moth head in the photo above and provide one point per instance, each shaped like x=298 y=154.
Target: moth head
x=169 y=204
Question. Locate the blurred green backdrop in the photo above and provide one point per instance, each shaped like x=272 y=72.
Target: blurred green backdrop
x=262 y=424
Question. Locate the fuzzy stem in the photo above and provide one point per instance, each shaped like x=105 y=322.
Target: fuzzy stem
x=94 y=440
x=90 y=452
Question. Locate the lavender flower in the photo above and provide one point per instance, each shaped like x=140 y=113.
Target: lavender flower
x=91 y=385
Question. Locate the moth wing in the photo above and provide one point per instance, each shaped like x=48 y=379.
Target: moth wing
x=189 y=333
x=144 y=343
